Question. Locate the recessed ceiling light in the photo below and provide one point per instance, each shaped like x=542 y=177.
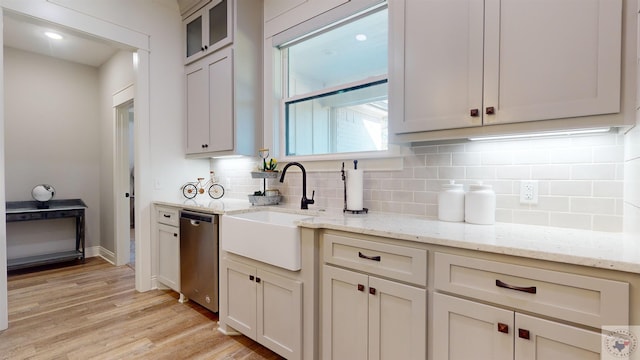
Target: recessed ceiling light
x=53 y=35
x=361 y=37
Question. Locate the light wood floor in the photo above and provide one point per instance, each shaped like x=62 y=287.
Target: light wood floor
x=92 y=311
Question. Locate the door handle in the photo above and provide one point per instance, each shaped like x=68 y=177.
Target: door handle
x=126 y=195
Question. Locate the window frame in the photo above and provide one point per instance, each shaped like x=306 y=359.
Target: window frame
x=276 y=89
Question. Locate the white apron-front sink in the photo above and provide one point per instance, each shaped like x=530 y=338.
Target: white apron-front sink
x=268 y=236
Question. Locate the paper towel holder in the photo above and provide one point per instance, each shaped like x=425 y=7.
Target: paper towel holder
x=344 y=181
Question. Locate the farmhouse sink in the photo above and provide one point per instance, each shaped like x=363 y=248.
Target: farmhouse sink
x=268 y=236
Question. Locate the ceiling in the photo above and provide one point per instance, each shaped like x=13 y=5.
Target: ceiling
x=26 y=33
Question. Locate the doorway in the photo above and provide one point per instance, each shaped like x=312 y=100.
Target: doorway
x=124 y=166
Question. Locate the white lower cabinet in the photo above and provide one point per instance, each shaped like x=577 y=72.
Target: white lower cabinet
x=167 y=234
x=169 y=256
x=367 y=317
x=264 y=306
x=464 y=329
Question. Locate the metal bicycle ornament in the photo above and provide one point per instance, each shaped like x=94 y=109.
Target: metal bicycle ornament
x=191 y=189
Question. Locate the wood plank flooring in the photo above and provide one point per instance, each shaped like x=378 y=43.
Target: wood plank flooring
x=92 y=311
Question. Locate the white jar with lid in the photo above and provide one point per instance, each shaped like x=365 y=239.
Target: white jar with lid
x=480 y=205
x=451 y=202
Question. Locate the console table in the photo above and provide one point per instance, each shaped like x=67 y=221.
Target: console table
x=56 y=209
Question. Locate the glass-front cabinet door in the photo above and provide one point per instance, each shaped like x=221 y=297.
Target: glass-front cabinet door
x=208 y=29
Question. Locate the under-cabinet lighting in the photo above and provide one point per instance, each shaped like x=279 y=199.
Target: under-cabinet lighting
x=52 y=35
x=542 y=134
x=227 y=157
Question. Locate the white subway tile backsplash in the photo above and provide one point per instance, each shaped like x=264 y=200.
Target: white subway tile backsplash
x=593 y=172
x=531 y=217
x=607 y=223
x=570 y=188
x=553 y=203
x=451 y=173
x=439 y=159
x=550 y=172
x=610 y=189
x=593 y=205
x=570 y=220
x=481 y=172
x=531 y=156
x=497 y=158
x=582 y=180
x=466 y=159
x=515 y=172
x=570 y=156
x=608 y=154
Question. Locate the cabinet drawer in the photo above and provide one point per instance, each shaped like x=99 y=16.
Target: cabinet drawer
x=576 y=298
x=392 y=261
x=167 y=215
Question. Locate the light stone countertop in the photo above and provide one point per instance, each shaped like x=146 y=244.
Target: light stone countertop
x=615 y=251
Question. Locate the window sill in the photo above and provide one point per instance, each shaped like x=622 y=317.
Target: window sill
x=390 y=160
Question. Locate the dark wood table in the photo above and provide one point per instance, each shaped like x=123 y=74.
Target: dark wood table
x=53 y=209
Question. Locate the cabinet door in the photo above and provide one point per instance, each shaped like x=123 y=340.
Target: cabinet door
x=169 y=256
x=437 y=78
x=221 y=93
x=546 y=340
x=397 y=321
x=209 y=29
x=197 y=86
x=219 y=31
x=193 y=32
x=344 y=314
x=279 y=322
x=549 y=59
x=240 y=297
x=465 y=330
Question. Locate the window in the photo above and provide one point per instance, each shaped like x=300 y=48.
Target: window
x=335 y=88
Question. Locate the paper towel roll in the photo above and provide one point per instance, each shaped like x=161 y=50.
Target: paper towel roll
x=355 y=186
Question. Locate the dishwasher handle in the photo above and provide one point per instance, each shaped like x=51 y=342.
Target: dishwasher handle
x=196 y=218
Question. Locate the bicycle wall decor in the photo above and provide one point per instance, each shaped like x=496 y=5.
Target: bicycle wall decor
x=191 y=189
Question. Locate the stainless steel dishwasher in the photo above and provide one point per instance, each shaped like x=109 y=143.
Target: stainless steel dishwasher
x=199 y=258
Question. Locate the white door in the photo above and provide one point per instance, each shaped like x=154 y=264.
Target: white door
x=538 y=339
x=397 y=321
x=279 y=323
x=123 y=192
x=241 y=297
x=344 y=314
x=465 y=330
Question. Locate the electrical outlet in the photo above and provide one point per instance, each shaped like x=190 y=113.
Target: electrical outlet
x=528 y=192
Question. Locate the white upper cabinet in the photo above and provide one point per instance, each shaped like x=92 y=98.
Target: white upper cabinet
x=224 y=88
x=468 y=63
x=208 y=29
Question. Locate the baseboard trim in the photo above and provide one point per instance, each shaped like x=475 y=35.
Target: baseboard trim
x=106 y=254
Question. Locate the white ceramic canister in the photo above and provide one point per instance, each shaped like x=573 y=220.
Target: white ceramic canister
x=480 y=205
x=451 y=202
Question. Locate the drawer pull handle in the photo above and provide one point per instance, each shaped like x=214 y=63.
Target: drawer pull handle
x=363 y=256
x=503 y=328
x=530 y=289
x=360 y=287
x=372 y=291
x=167 y=216
x=524 y=334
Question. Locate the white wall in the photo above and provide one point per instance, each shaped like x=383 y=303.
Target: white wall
x=52 y=136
